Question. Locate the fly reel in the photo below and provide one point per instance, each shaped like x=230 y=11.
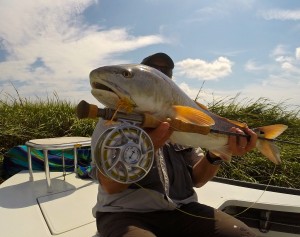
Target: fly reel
x=124 y=153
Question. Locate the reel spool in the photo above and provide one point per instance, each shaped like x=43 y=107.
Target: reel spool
x=124 y=153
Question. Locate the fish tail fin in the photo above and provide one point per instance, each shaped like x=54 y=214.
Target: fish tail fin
x=268 y=148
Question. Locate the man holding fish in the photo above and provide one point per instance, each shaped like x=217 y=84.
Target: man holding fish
x=164 y=202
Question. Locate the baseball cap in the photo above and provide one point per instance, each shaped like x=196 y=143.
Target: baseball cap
x=161 y=56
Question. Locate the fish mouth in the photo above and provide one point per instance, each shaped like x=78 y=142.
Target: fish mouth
x=104 y=92
x=100 y=86
x=112 y=96
x=108 y=92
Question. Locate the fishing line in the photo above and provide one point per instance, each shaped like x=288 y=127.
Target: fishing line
x=123 y=104
x=249 y=207
x=255 y=202
x=115 y=113
x=172 y=204
x=210 y=218
x=268 y=184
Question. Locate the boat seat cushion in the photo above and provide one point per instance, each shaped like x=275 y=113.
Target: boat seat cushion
x=16 y=160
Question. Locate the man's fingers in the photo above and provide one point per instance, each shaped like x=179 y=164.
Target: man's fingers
x=239 y=145
x=160 y=134
x=253 y=139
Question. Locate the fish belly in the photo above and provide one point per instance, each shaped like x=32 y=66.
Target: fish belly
x=210 y=141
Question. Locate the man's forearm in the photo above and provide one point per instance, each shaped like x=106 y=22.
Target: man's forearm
x=109 y=185
x=203 y=171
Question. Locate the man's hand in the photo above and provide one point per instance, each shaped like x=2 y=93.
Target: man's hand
x=240 y=145
x=160 y=134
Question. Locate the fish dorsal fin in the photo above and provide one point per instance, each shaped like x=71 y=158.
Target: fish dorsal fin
x=202 y=106
x=191 y=115
x=272 y=131
x=237 y=123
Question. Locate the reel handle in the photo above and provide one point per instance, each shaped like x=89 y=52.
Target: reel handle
x=86 y=110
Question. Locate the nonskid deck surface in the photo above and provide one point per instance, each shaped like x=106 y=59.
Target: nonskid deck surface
x=29 y=209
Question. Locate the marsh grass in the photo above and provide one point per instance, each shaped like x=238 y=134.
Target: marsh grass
x=24 y=119
x=254 y=167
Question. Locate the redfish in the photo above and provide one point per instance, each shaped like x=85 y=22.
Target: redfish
x=142 y=89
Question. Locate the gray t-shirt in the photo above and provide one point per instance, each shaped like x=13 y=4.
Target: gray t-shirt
x=150 y=194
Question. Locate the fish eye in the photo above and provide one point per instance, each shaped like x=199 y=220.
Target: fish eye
x=127 y=74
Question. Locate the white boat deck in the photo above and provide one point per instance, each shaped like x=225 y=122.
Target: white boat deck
x=28 y=208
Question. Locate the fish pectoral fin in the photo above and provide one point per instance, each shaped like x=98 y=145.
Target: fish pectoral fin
x=271 y=131
x=191 y=115
x=124 y=104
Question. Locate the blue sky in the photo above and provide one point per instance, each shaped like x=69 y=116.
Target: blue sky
x=250 y=47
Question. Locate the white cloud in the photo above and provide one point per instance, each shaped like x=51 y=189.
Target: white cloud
x=276 y=88
x=287 y=60
x=53 y=33
x=279 y=50
x=216 y=10
x=286 y=63
x=287 y=66
x=297 y=53
x=252 y=65
x=191 y=92
x=279 y=14
x=200 y=69
x=282 y=85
